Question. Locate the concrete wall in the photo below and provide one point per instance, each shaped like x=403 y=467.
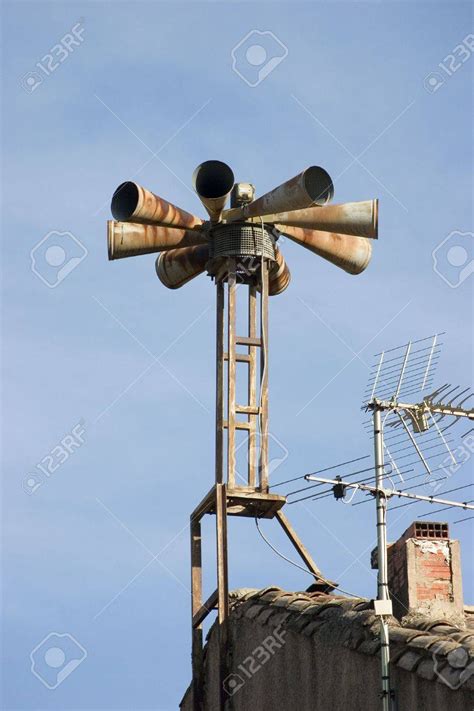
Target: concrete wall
x=311 y=673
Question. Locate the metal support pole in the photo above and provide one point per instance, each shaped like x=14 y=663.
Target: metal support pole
x=196 y=599
x=222 y=586
x=382 y=579
x=263 y=462
x=231 y=373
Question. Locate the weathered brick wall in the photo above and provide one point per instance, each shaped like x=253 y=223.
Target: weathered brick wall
x=425 y=577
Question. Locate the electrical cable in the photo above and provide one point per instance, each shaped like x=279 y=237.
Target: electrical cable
x=297 y=565
x=320 y=471
x=430 y=513
x=460 y=520
x=320 y=483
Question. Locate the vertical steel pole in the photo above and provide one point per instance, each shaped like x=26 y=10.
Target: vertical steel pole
x=252 y=389
x=220 y=307
x=196 y=599
x=231 y=372
x=263 y=460
x=382 y=580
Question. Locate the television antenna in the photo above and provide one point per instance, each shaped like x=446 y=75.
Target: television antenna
x=398 y=376
x=239 y=247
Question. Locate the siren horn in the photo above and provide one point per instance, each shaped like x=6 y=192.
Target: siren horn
x=129 y=239
x=178 y=266
x=351 y=253
x=312 y=186
x=132 y=203
x=351 y=218
x=213 y=181
x=279 y=276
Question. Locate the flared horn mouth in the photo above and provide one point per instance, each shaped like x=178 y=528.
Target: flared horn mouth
x=213 y=181
x=130 y=239
x=313 y=186
x=132 y=203
x=352 y=218
x=351 y=253
x=178 y=266
x=279 y=276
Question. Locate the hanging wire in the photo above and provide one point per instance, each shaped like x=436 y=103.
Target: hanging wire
x=320 y=483
x=430 y=513
x=320 y=471
x=460 y=520
x=297 y=565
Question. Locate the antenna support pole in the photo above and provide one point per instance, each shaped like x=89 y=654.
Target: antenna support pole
x=387 y=694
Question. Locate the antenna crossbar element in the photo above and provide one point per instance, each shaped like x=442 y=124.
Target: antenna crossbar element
x=426 y=407
x=402 y=369
x=388 y=493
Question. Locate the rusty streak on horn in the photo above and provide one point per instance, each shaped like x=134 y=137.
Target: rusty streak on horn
x=178 y=266
x=279 y=276
x=132 y=203
x=213 y=181
x=348 y=252
x=312 y=186
x=129 y=239
x=351 y=218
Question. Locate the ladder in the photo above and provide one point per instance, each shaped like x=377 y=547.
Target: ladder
x=245 y=493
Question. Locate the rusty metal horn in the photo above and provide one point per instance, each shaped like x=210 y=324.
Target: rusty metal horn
x=348 y=252
x=279 y=276
x=129 y=239
x=178 y=266
x=352 y=218
x=132 y=203
x=312 y=186
x=213 y=181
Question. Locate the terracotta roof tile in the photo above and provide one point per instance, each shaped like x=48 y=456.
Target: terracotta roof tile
x=428 y=647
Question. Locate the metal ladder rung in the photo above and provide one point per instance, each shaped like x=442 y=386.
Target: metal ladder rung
x=238 y=425
x=247 y=409
x=239 y=357
x=247 y=341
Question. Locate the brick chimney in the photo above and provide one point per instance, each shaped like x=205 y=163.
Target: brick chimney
x=424 y=572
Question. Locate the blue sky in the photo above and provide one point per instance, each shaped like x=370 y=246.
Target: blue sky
x=148 y=92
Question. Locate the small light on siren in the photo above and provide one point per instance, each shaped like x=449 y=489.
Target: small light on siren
x=242 y=194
